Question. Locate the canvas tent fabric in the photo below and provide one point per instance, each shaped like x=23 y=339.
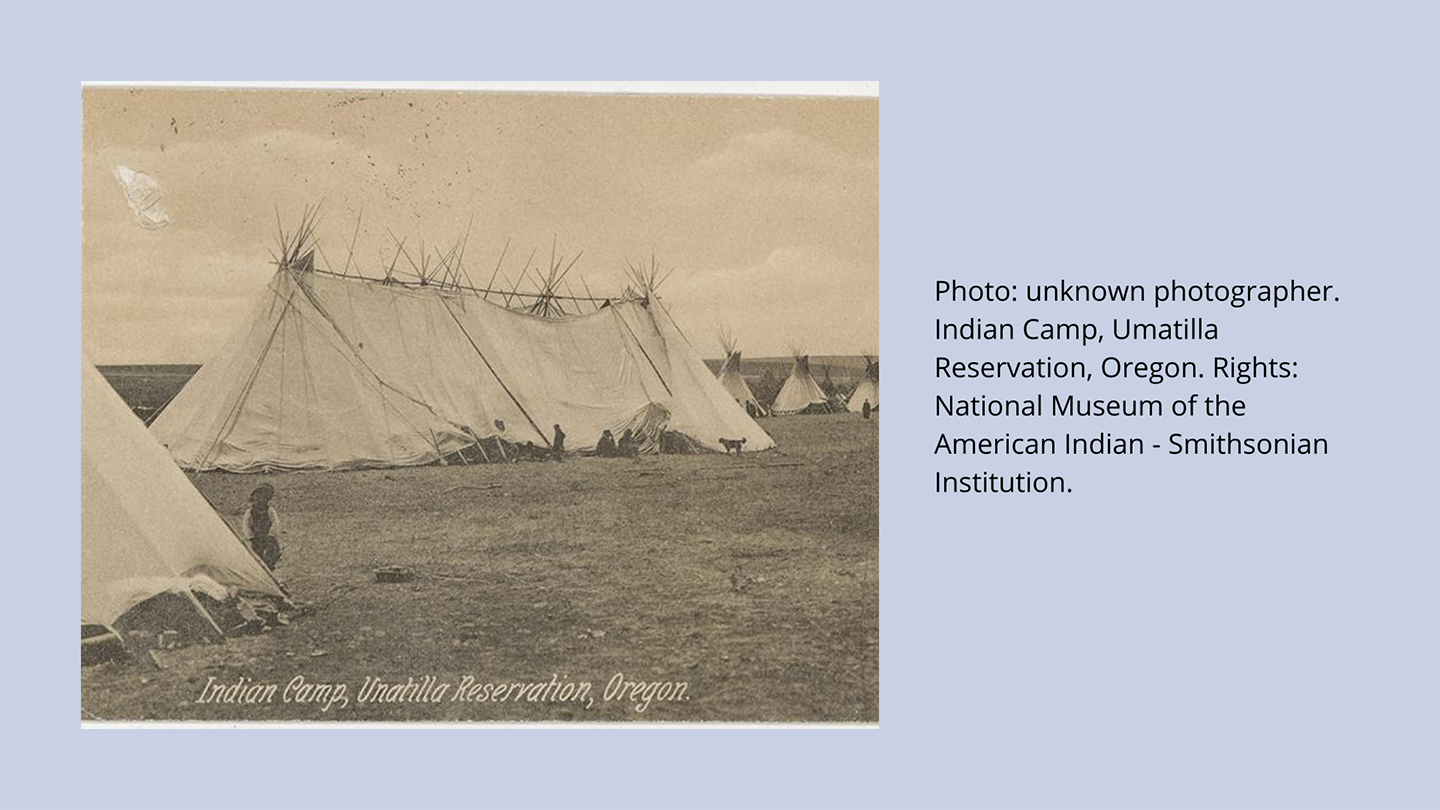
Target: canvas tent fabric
x=335 y=372
x=144 y=528
x=867 y=390
x=800 y=390
x=734 y=383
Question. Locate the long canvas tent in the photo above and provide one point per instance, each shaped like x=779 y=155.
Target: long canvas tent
x=144 y=529
x=333 y=372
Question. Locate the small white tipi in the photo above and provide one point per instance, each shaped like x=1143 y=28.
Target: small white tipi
x=800 y=392
x=731 y=379
x=144 y=529
x=868 y=389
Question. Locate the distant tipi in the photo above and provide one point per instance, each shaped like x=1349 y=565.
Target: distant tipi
x=732 y=380
x=800 y=394
x=868 y=389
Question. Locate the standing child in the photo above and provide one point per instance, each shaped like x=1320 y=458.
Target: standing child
x=557 y=447
x=261 y=526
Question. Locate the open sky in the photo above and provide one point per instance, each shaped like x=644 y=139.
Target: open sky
x=767 y=208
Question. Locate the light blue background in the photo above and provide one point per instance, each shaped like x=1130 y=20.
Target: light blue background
x=1215 y=632
x=1176 y=633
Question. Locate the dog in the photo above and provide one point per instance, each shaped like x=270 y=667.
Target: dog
x=737 y=445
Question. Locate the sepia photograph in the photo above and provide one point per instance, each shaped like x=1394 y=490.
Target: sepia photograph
x=454 y=404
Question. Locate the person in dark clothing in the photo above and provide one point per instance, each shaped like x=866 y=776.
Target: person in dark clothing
x=628 y=447
x=605 y=448
x=261 y=525
x=865 y=409
x=557 y=447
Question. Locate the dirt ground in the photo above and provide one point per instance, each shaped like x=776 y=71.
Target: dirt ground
x=752 y=580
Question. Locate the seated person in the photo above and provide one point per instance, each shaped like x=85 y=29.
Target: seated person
x=628 y=447
x=606 y=448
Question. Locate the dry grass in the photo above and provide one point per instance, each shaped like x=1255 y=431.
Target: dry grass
x=753 y=578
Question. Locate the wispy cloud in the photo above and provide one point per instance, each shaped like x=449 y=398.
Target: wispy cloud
x=808 y=284
x=779 y=153
x=769 y=210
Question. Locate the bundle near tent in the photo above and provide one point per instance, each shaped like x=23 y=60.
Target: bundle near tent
x=800 y=394
x=340 y=371
x=145 y=530
x=868 y=389
x=731 y=378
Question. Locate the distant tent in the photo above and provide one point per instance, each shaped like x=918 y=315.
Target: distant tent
x=868 y=389
x=731 y=379
x=340 y=372
x=144 y=529
x=800 y=394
